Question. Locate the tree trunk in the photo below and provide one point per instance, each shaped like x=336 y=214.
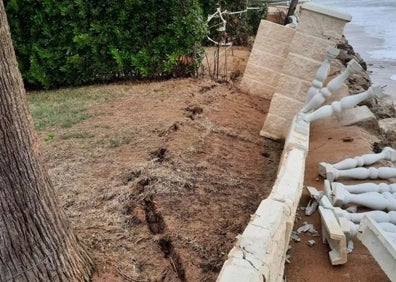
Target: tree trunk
x=290 y=12
x=36 y=240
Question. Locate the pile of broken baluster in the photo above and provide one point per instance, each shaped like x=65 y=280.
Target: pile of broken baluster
x=376 y=228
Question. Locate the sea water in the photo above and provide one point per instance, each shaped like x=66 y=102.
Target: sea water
x=372 y=33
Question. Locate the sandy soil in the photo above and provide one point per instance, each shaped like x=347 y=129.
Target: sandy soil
x=166 y=178
x=330 y=142
x=169 y=173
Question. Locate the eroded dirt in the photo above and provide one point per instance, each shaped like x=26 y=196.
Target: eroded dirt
x=167 y=179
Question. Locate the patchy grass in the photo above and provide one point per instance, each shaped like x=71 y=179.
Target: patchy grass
x=50 y=136
x=126 y=137
x=77 y=135
x=65 y=107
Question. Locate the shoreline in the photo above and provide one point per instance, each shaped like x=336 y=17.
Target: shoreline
x=381 y=71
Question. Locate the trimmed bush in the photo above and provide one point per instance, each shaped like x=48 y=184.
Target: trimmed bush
x=63 y=43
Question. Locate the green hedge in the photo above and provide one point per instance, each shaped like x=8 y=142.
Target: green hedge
x=65 y=42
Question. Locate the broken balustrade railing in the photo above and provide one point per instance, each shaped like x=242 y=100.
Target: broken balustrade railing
x=375 y=228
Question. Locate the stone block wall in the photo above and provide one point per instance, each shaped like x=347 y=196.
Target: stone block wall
x=322 y=22
x=318 y=28
x=260 y=252
x=266 y=60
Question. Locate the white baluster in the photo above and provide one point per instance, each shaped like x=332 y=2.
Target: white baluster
x=360 y=173
x=353 y=228
x=368 y=159
x=365 y=187
x=335 y=84
x=322 y=72
x=377 y=216
x=372 y=200
x=345 y=103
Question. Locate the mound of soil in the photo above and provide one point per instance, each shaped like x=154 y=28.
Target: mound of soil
x=166 y=178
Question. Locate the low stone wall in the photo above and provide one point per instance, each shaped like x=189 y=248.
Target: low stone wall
x=270 y=49
x=260 y=251
x=319 y=28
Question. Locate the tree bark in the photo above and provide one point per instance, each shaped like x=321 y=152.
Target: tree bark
x=36 y=240
x=290 y=12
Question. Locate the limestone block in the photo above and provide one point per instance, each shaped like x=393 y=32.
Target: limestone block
x=262 y=73
x=261 y=57
x=310 y=46
x=281 y=112
x=254 y=86
x=272 y=216
x=292 y=87
x=264 y=242
x=266 y=61
x=289 y=184
x=274 y=127
x=355 y=115
x=272 y=46
x=379 y=245
x=297 y=140
x=236 y=269
x=254 y=245
x=285 y=106
x=324 y=10
x=257 y=245
x=301 y=67
x=275 y=31
x=322 y=22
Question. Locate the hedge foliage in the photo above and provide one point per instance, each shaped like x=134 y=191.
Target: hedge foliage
x=75 y=42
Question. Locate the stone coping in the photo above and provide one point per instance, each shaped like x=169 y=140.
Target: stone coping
x=326 y=11
x=260 y=252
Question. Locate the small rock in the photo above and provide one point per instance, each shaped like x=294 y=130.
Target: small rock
x=307 y=228
x=352 y=209
x=294 y=236
x=311 y=243
x=350 y=246
x=347 y=139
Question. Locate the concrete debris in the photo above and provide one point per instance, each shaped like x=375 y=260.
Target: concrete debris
x=307 y=227
x=352 y=209
x=311 y=243
x=312 y=207
x=349 y=247
x=295 y=237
